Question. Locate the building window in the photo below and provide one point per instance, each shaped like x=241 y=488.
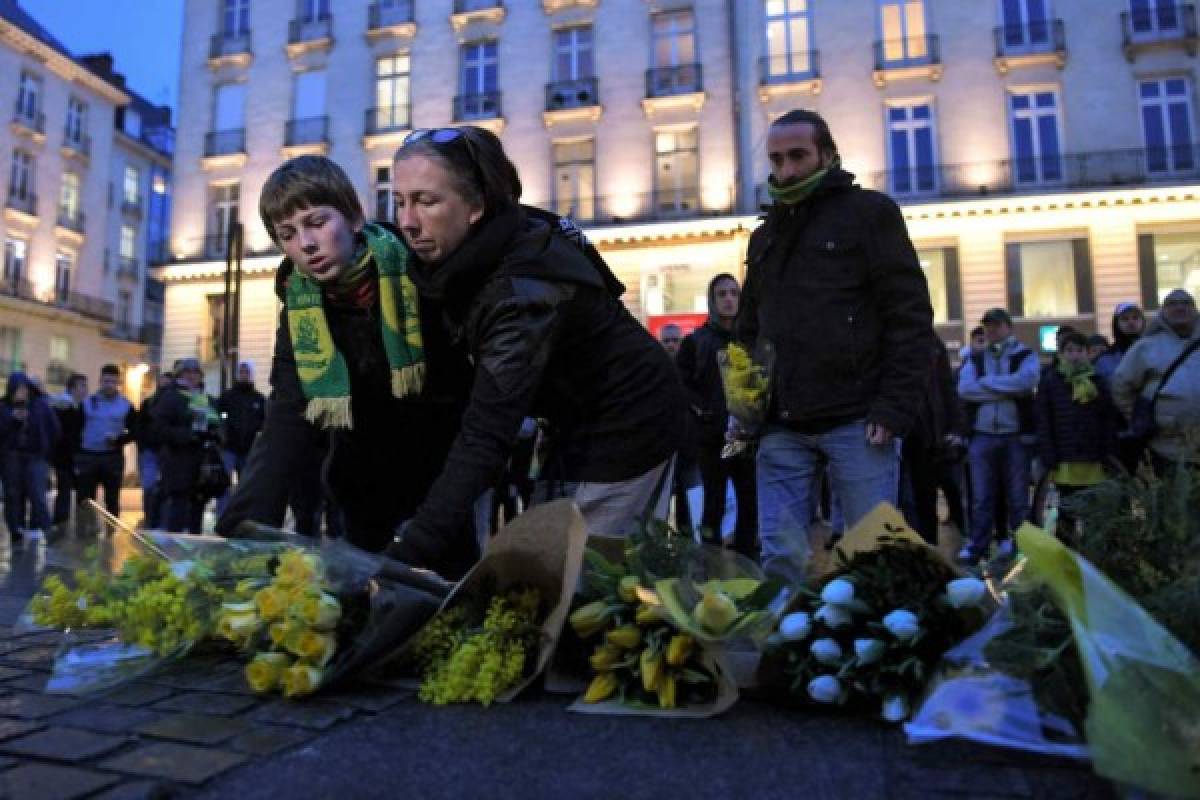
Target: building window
x=1026 y=24
x=313 y=10
x=29 y=97
x=674 y=34
x=158 y=216
x=1167 y=125
x=76 y=127
x=940 y=266
x=789 y=32
x=128 y=245
x=392 y=93
x=1049 y=278
x=223 y=213
x=902 y=30
x=575 y=179
x=229 y=107
x=308 y=102
x=60 y=350
x=130 y=191
x=1036 y=137
x=478 y=81
x=63 y=263
x=1168 y=261
x=676 y=172
x=15 y=252
x=10 y=349
x=573 y=54
x=1151 y=18
x=235 y=18
x=20 y=176
x=124 y=309
x=383 y=194
x=68 y=200
x=912 y=154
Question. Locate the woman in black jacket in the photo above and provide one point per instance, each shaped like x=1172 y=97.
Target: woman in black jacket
x=542 y=316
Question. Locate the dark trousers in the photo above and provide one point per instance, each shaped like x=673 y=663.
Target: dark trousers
x=25 y=483
x=64 y=493
x=101 y=469
x=686 y=476
x=183 y=511
x=714 y=473
x=920 y=476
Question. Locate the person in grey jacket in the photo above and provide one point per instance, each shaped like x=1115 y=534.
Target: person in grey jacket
x=1177 y=409
x=997 y=385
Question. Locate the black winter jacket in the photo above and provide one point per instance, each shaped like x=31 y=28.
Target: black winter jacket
x=181 y=445
x=243 y=409
x=835 y=286
x=379 y=470
x=1071 y=432
x=701 y=376
x=549 y=337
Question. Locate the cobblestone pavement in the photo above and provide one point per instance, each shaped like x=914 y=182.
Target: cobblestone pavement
x=193 y=729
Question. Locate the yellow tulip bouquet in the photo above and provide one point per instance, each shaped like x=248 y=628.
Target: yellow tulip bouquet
x=322 y=615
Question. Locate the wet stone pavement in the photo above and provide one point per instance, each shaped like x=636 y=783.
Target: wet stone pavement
x=193 y=729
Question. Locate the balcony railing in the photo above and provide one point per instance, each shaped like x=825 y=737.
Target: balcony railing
x=17 y=286
x=127 y=267
x=467 y=6
x=35 y=122
x=789 y=68
x=19 y=201
x=310 y=29
x=1158 y=23
x=385 y=15
x=1037 y=36
x=577 y=93
x=71 y=220
x=670 y=204
x=387 y=120
x=667 y=81
x=1094 y=170
x=226 y=44
x=78 y=144
x=914 y=51
x=224 y=143
x=313 y=130
x=483 y=105
x=132 y=208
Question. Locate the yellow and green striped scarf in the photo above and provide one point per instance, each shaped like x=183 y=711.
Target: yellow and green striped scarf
x=324 y=376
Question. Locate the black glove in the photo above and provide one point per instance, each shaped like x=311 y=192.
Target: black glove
x=416 y=548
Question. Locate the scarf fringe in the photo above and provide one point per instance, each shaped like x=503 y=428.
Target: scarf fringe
x=408 y=380
x=329 y=412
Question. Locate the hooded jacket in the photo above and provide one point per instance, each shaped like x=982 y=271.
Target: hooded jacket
x=542 y=318
x=1108 y=361
x=1140 y=372
x=701 y=375
x=833 y=283
x=35 y=435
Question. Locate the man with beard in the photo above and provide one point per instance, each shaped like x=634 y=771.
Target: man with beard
x=834 y=286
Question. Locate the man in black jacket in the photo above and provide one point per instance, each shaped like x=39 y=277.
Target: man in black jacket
x=243 y=410
x=834 y=286
x=69 y=408
x=181 y=425
x=697 y=363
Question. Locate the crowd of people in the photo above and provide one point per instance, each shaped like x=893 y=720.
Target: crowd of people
x=476 y=356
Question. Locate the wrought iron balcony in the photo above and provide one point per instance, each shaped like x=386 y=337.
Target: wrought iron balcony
x=22 y=201
x=576 y=93
x=467 y=6
x=482 y=105
x=310 y=29
x=34 y=122
x=914 y=51
x=664 y=204
x=388 y=119
x=229 y=45
x=680 y=79
x=388 y=15
x=789 y=68
x=80 y=145
x=127 y=267
x=71 y=220
x=224 y=143
x=312 y=130
x=132 y=207
x=1161 y=25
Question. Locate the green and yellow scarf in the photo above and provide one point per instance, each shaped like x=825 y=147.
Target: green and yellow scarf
x=1083 y=388
x=324 y=376
x=798 y=192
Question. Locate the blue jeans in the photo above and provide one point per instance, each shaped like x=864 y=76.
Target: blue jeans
x=996 y=460
x=26 y=479
x=862 y=477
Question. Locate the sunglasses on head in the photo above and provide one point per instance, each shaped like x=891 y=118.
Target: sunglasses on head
x=435 y=135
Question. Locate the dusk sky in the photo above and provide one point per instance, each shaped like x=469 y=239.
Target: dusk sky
x=144 y=37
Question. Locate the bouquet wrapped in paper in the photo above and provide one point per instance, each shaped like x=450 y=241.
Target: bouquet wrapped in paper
x=1118 y=677
x=870 y=634
x=656 y=624
x=746 y=380
x=494 y=634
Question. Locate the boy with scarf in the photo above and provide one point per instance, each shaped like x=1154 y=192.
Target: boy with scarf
x=359 y=361
x=1075 y=424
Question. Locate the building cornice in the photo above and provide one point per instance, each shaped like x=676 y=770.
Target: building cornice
x=208 y=270
x=66 y=68
x=142 y=149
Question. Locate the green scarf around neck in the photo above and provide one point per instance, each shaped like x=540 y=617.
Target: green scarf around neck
x=324 y=376
x=798 y=192
x=1083 y=388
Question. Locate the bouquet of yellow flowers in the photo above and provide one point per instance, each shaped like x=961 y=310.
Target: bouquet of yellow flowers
x=747 y=382
x=321 y=615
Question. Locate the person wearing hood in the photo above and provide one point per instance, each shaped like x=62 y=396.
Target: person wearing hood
x=29 y=431
x=542 y=317
x=1128 y=325
x=68 y=406
x=833 y=284
x=365 y=383
x=243 y=410
x=1172 y=335
x=697 y=363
